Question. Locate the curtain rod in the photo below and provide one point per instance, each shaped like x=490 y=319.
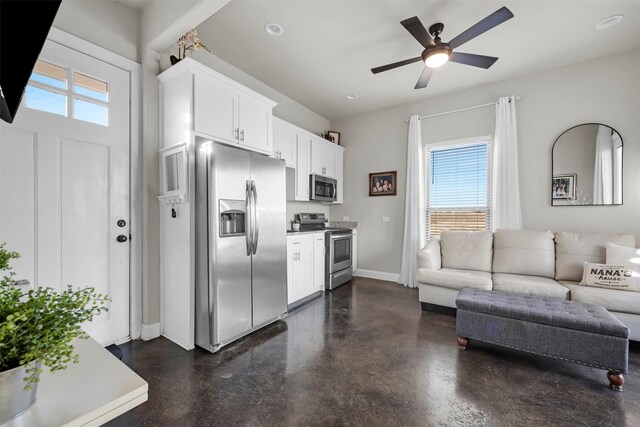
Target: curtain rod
x=517 y=98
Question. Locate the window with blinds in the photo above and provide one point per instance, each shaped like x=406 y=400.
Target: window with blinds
x=458 y=186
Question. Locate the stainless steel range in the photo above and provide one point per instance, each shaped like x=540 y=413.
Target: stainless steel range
x=338 y=244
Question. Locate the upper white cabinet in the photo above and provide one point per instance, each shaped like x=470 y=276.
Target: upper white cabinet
x=215 y=108
x=223 y=110
x=285 y=139
x=322 y=157
x=255 y=124
x=339 y=171
x=303 y=152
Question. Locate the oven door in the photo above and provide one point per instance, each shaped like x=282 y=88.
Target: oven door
x=339 y=252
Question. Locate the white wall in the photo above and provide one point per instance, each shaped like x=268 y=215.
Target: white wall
x=604 y=90
x=106 y=23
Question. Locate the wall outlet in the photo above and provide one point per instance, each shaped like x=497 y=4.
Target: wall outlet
x=386 y=219
x=345 y=218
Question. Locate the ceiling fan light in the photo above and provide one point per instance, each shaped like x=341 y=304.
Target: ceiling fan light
x=436 y=58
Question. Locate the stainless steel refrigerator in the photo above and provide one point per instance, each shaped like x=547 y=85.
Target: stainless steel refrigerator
x=241 y=243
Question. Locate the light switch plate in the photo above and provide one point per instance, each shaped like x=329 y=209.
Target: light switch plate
x=386 y=219
x=345 y=218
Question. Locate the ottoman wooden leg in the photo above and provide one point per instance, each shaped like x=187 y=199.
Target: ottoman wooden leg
x=462 y=343
x=616 y=380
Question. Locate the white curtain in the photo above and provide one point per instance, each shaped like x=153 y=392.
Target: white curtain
x=505 y=189
x=603 y=171
x=414 y=207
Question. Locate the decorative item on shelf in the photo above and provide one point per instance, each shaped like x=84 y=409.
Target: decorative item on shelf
x=37 y=328
x=383 y=183
x=183 y=49
x=295 y=225
x=334 y=137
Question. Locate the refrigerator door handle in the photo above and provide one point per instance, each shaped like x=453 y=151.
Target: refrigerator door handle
x=255 y=217
x=247 y=219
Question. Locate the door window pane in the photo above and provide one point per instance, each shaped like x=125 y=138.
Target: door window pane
x=88 y=86
x=49 y=74
x=90 y=112
x=45 y=100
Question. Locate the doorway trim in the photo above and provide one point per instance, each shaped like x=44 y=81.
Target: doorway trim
x=135 y=166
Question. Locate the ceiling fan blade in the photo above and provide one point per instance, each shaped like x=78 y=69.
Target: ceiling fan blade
x=423 y=81
x=473 y=60
x=417 y=30
x=493 y=20
x=395 y=65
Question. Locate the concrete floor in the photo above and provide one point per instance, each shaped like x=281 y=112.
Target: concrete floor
x=365 y=354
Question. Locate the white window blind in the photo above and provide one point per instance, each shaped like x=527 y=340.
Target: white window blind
x=458 y=186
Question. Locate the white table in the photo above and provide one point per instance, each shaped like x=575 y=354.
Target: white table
x=92 y=392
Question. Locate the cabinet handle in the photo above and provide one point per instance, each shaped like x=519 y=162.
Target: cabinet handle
x=242 y=135
x=237 y=131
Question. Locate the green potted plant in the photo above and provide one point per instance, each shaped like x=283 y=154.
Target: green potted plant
x=37 y=328
x=295 y=225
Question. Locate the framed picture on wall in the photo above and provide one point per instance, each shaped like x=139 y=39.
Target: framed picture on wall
x=383 y=183
x=564 y=186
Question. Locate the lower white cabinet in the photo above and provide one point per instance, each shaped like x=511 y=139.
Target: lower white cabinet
x=305 y=265
x=354 y=250
x=318 y=261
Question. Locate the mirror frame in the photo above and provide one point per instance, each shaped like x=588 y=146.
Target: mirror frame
x=621 y=166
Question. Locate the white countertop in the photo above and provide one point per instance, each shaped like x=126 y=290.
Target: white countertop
x=91 y=392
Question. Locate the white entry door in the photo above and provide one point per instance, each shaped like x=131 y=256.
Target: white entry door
x=64 y=182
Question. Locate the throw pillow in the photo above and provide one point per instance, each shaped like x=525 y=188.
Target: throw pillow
x=629 y=257
x=607 y=276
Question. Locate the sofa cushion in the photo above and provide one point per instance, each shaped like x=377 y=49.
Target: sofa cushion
x=466 y=250
x=574 y=249
x=524 y=252
x=529 y=285
x=429 y=256
x=611 y=299
x=455 y=279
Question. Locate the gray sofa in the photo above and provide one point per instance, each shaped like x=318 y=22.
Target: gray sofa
x=522 y=262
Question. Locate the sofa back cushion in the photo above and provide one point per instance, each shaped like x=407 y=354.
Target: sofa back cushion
x=574 y=249
x=466 y=250
x=531 y=253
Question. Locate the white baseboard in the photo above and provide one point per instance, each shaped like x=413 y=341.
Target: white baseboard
x=150 y=332
x=381 y=275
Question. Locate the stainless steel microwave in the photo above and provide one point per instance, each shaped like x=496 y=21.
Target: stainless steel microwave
x=322 y=189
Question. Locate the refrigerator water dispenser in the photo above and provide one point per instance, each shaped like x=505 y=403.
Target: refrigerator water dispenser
x=232 y=217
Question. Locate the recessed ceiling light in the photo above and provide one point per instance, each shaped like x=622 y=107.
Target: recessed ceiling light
x=273 y=29
x=609 y=22
x=352 y=96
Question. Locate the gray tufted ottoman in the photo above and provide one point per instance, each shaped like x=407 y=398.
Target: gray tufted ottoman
x=581 y=333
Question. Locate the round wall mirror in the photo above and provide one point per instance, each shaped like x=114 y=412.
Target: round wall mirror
x=586 y=165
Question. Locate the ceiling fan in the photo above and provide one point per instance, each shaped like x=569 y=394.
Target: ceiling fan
x=436 y=53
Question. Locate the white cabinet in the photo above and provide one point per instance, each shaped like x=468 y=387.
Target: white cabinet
x=300 y=280
x=354 y=250
x=322 y=157
x=285 y=139
x=298 y=179
x=215 y=108
x=255 y=124
x=339 y=171
x=318 y=261
x=228 y=112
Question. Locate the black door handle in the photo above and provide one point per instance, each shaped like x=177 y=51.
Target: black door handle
x=122 y=238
